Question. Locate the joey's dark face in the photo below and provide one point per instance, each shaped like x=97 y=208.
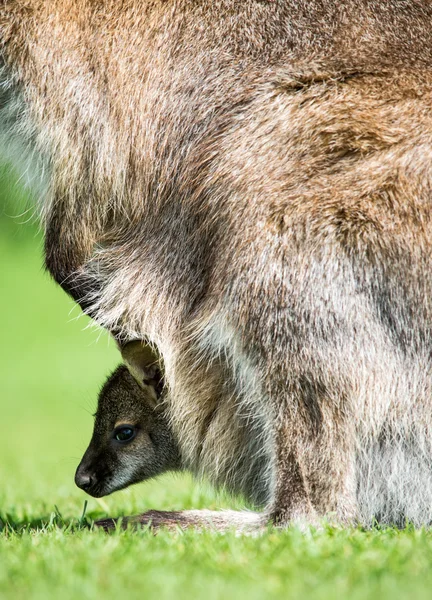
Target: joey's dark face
x=131 y=441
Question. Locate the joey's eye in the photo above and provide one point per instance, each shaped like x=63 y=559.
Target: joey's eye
x=125 y=433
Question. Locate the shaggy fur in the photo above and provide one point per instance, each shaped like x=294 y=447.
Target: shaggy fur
x=247 y=185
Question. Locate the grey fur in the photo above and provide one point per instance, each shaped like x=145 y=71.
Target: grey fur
x=19 y=143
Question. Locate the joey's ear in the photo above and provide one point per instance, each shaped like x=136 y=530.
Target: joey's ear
x=143 y=364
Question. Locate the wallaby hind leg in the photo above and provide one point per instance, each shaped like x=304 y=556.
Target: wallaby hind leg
x=314 y=470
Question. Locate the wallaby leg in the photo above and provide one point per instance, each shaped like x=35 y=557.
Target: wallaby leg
x=315 y=472
x=224 y=520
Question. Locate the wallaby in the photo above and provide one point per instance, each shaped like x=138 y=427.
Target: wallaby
x=132 y=439
x=247 y=186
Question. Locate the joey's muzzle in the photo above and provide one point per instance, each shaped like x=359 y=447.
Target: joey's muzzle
x=84 y=479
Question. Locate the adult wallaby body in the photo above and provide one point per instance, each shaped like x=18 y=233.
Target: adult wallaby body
x=248 y=186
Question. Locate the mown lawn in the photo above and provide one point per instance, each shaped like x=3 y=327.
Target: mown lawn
x=51 y=369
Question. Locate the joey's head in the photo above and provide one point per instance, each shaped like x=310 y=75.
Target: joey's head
x=132 y=440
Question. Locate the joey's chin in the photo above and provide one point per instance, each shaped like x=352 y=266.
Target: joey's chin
x=97 y=494
x=99 y=491
x=103 y=491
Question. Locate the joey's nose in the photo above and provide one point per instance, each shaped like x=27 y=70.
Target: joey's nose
x=84 y=480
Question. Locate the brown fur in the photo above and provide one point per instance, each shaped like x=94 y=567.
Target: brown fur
x=247 y=185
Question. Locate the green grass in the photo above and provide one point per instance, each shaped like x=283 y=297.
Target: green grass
x=52 y=365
